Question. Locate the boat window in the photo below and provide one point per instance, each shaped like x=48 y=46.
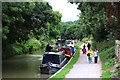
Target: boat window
x=51 y=58
x=61 y=58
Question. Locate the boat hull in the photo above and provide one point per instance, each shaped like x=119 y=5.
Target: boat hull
x=48 y=70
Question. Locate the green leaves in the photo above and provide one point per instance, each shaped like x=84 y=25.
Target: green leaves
x=109 y=63
x=4 y=32
x=106 y=74
x=28 y=22
x=71 y=31
x=101 y=19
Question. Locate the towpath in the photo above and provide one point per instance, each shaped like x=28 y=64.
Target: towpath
x=83 y=69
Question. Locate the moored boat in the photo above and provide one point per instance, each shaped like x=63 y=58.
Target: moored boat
x=52 y=62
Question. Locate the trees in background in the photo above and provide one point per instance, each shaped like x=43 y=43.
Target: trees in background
x=70 y=30
x=102 y=20
x=28 y=25
x=31 y=25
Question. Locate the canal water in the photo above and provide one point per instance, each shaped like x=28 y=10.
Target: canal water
x=23 y=66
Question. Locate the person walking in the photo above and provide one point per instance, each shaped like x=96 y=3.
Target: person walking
x=84 y=50
x=72 y=48
x=89 y=54
x=95 y=55
x=88 y=45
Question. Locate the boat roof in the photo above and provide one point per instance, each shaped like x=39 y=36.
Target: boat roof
x=56 y=53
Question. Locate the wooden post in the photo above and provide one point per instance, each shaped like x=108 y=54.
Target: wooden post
x=117 y=49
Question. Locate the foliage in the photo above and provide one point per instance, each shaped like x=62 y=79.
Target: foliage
x=107 y=54
x=71 y=31
x=109 y=63
x=102 y=21
x=99 y=19
x=34 y=43
x=107 y=74
x=108 y=58
x=117 y=70
x=103 y=45
x=29 y=24
x=11 y=50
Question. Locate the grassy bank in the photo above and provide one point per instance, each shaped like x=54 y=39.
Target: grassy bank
x=110 y=65
x=61 y=75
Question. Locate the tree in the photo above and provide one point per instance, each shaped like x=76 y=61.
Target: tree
x=101 y=19
x=24 y=22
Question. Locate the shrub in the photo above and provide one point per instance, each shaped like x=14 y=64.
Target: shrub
x=107 y=54
x=107 y=74
x=12 y=49
x=103 y=45
x=17 y=49
x=109 y=63
x=32 y=44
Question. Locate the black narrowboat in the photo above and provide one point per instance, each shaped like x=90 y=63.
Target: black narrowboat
x=52 y=62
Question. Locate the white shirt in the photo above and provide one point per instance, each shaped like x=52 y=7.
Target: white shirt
x=95 y=54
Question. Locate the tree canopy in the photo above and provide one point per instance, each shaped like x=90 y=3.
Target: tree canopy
x=23 y=21
x=102 y=19
x=31 y=25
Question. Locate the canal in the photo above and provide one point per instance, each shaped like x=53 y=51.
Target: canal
x=23 y=66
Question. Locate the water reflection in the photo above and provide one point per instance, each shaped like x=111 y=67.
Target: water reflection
x=23 y=66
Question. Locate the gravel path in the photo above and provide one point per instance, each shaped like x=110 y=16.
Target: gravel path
x=83 y=69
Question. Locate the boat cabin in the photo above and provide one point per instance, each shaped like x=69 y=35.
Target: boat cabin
x=52 y=62
x=67 y=51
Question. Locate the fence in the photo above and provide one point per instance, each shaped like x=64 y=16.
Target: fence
x=117 y=49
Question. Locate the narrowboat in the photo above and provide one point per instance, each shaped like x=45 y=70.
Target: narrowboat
x=52 y=62
x=68 y=53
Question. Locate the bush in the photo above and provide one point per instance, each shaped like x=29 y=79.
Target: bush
x=11 y=50
x=103 y=45
x=17 y=49
x=108 y=57
x=43 y=44
x=107 y=74
x=109 y=60
x=32 y=44
x=107 y=54
x=109 y=63
x=117 y=70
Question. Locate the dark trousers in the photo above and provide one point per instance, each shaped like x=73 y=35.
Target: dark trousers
x=88 y=48
x=84 y=52
x=96 y=59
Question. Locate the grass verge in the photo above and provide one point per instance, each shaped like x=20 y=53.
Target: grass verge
x=61 y=75
x=109 y=60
